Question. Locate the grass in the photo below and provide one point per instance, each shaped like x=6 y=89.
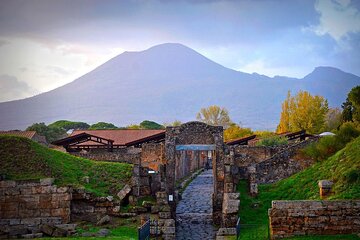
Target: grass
x=21 y=158
x=343 y=168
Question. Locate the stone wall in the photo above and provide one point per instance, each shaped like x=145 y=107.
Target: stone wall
x=196 y=133
x=86 y=207
x=293 y=218
x=127 y=155
x=152 y=155
x=147 y=183
x=281 y=165
x=25 y=205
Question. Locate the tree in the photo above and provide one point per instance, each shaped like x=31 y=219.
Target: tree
x=150 y=125
x=50 y=133
x=354 y=98
x=303 y=112
x=214 y=115
x=333 y=119
x=133 y=126
x=176 y=123
x=348 y=109
x=67 y=125
x=236 y=131
x=102 y=125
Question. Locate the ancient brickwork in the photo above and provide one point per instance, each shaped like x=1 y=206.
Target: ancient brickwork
x=146 y=182
x=196 y=133
x=127 y=155
x=86 y=207
x=293 y=218
x=153 y=155
x=25 y=205
x=281 y=165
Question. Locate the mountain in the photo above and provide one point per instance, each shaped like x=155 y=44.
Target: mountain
x=167 y=82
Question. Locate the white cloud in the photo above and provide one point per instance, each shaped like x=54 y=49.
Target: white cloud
x=11 y=88
x=337 y=18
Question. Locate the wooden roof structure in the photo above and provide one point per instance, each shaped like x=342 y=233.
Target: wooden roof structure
x=109 y=139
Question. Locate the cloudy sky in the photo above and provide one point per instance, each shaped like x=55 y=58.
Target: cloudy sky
x=45 y=44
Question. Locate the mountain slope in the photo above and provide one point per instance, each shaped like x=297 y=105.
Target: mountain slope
x=168 y=82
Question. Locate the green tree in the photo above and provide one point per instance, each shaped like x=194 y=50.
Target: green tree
x=150 y=125
x=236 y=131
x=133 y=126
x=348 y=109
x=67 y=125
x=102 y=125
x=50 y=133
x=354 y=97
x=214 y=115
x=303 y=112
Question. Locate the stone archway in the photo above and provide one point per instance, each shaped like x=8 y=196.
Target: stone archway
x=204 y=137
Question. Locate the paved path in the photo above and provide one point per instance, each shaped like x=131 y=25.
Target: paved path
x=194 y=211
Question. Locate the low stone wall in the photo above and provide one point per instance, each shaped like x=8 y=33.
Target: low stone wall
x=25 y=205
x=293 y=218
x=281 y=165
x=86 y=207
x=128 y=155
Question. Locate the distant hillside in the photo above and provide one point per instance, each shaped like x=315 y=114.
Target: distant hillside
x=168 y=82
x=21 y=158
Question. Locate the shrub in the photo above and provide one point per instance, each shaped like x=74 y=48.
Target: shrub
x=272 y=141
x=329 y=145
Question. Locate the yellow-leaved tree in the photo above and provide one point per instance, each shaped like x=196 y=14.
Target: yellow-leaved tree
x=303 y=112
x=236 y=131
x=214 y=115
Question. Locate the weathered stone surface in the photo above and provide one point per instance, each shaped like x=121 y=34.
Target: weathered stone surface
x=231 y=203
x=194 y=211
x=292 y=218
x=124 y=192
x=226 y=232
x=47 y=229
x=104 y=220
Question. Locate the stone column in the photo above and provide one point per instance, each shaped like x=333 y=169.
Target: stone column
x=325 y=188
x=253 y=186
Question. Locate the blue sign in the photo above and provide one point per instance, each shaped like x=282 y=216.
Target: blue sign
x=195 y=147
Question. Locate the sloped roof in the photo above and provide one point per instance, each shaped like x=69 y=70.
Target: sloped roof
x=121 y=137
x=27 y=134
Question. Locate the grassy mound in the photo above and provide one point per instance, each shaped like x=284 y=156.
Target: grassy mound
x=21 y=158
x=343 y=169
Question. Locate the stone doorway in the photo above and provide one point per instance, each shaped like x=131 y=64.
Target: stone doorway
x=184 y=146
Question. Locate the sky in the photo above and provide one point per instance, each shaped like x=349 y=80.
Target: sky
x=46 y=44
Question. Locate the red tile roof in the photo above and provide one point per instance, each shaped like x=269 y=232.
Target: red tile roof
x=120 y=136
x=27 y=134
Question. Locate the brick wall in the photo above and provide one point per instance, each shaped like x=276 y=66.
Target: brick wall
x=25 y=205
x=293 y=218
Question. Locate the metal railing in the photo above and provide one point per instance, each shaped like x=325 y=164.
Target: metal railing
x=144 y=231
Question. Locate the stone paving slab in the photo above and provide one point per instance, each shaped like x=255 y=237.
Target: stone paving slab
x=194 y=211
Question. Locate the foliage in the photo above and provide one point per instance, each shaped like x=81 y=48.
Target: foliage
x=102 y=125
x=343 y=169
x=21 y=158
x=49 y=132
x=67 y=125
x=272 y=141
x=354 y=97
x=348 y=109
x=303 y=112
x=328 y=145
x=264 y=133
x=175 y=123
x=133 y=126
x=150 y=125
x=236 y=131
x=214 y=115
x=333 y=119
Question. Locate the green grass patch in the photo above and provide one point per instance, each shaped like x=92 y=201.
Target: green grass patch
x=343 y=168
x=21 y=158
